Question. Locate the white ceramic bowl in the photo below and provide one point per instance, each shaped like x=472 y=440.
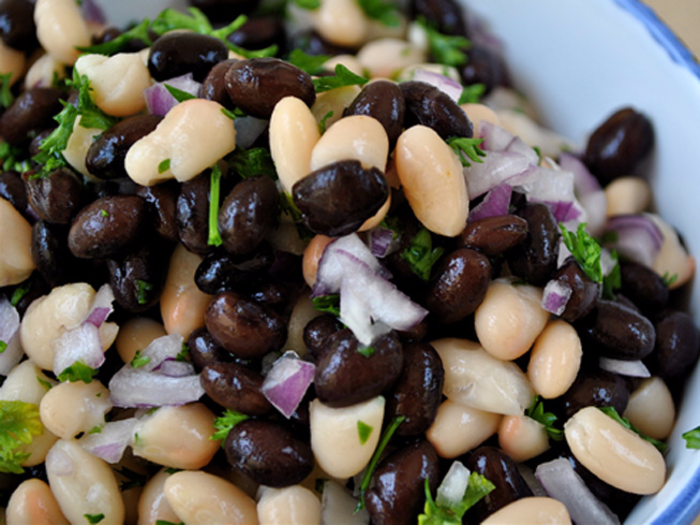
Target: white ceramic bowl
x=578 y=61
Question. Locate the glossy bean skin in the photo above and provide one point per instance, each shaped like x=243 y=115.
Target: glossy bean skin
x=446 y=15
x=459 y=286
x=161 y=201
x=106 y=226
x=268 y=453
x=50 y=253
x=584 y=292
x=259 y=33
x=243 y=327
x=535 y=259
x=235 y=387
x=428 y=106
x=395 y=494
x=178 y=53
x=345 y=377
x=485 y=67
x=619 y=144
x=594 y=388
x=677 y=346
x=318 y=331
x=17 y=28
x=217 y=272
x=137 y=278
x=418 y=391
x=257 y=84
x=56 y=198
x=384 y=101
x=494 y=235
x=32 y=111
x=204 y=350
x=214 y=85
x=12 y=189
x=225 y=9
x=192 y=214
x=644 y=287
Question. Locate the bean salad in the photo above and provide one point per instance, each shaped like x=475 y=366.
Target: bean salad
x=317 y=262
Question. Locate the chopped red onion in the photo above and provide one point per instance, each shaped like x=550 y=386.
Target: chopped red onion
x=563 y=211
x=287 y=382
x=110 y=443
x=9 y=325
x=248 y=129
x=563 y=483
x=93 y=12
x=546 y=185
x=451 y=491
x=497 y=138
x=101 y=306
x=79 y=344
x=584 y=181
x=381 y=241
x=159 y=100
x=607 y=263
x=161 y=349
x=134 y=387
x=624 y=368
x=497 y=167
x=495 y=203
x=555 y=296
x=638 y=237
x=172 y=368
x=447 y=85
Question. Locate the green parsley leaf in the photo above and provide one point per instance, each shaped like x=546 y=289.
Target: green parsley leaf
x=472 y=94
x=669 y=279
x=179 y=94
x=327 y=303
x=6 y=96
x=9 y=157
x=312 y=64
x=19 y=423
x=142 y=289
x=90 y=115
x=364 y=431
x=692 y=438
x=269 y=51
x=104 y=213
x=477 y=487
x=251 y=162
x=94 y=518
x=585 y=250
x=322 y=124
x=539 y=153
x=311 y=5
x=385 y=12
x=469 y=147
x=166 y=522
x=367 y=351
x=224 y=32
x=78 y=371
x=3 y=346
x=184 y=353
x=420 y=255
x=611 y=412
x=171 y=470
x=114 y=46
x=233 y=115
x=536 y=412
x=170 y=19
x=214 y=191
x=343 y=77
x=139 y=360
x=44 y=383
x=225 y=423
x=163 y=166
x=19 y=293
x=96 y=430
x=445 y=49
x=612 y=281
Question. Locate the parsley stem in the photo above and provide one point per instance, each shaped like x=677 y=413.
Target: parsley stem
x=214 y=235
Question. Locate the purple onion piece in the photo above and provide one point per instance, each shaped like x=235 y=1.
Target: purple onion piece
x=555 y=296
x=381 y=241
x=447 y=85
x=110 y=443
x=638 y=237
x=9 y=326
x=287 y=382
x=495 y=203
x=134 y=387
x=159 y=100
x=497 y=167
x=79 y=344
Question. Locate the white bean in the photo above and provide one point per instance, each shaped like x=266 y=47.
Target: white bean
x=136 y=334
x=16 y=263
x=349 y=61
x=338 y=507
x=615 y=454
x=385 y=57
x=11 y=61
x=32 y=503
x=475 y=378
x=71 y=408
x=458 y=429
x=303 y=312
x=555 y=360
x=193 y=135
x=60 y=29
x=522 y=438
x=651 y=408
x=293 y=505
x=199 y=498
x=78 y=145
x=478 y=113
x=153 y=505
x=43 y=72
x=312 y=256
x=439 y=69
x=510 y=318
x=627 y=195
x=432 y=180
x=335 y=101
x=335 y=439
x=525 y=127
x=83 y=484
x=341 y=22
x=533 y=511
x=672 y=259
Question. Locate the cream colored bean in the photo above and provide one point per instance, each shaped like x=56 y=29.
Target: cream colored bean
x=338 y=507
x=672 y=259
x=61 y=29
x=651 y=408
x=32 y=503
x=627 y=195
x=117 y=82
x=177 y=437
x=333 y=101
x=303 y=312
x=199 y=498
x=386 y=57
x=48 y=317
x=83 y=484
x=377 y=29
x=293 y=505
x=349 y=61
x=432 y=180
x=510 y=318
x=153 y=505
x=136 y=334
x=334 y=438
x=11 y=61
x=341 y=22
x=555 y=360
x=369 y=143
x=531 y=133
x=478 y=113
x=378 y=217
x=533 y=511
x=71 y=408
x=16 y=262
x=458 y=429
x=293 y=135
x=476 y=379
x=78 y=145
x=522 y=438
x=615 y=454
x=43 y=72
x=182 y=304
x=194 y=135
x=312 y=256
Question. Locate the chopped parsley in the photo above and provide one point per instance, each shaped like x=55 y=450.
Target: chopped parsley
x=251 y=162
x=166 y=522
x=585 y=250
x=114 y=46
x=10 y=155
x=328 y=304
x=94 y=518
x=142 y=289
x=469 y=147
x=163 y=166
x=669 y=279
x=547 y=419
x=310 y=5
x=322 y=124
x=367 y=351
x=364 y=431
x=78 y=371
x=19 y=423
x=420 y=254
x=44 y=383
x=472 y=94
x=445 y=49
x=385 y=12
x=139 y=360
x=445 y=514
x=233 y=114
x=6 y=96
x=214 y=191
x=184 y=353
x=104 y=213
x=312 y=64
x=343 y=77
x=96 y=429
x=178 y=95
x=611 y=412
x=692 y=438
x=20 y=292
x=3 y=346
x=225 y=423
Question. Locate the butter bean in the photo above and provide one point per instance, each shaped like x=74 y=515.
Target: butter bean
x=627 y=195
x=70 y=408
x=533 y=510
x=384 y=57
x=349 y=61
x=458 y=429
x=555 y=360
x=293 y=505
x=136 y=334
x=522 y=438
x=12 y=61
x=478 y=113
x=16 y=262
x=60 y=29
x=334 y=100
x=341 y=22
x=199 y=498
x=33 y=503
x=312 y=256
x=42 y=72
x=672 y=259
x=615 y=454
x=153 y=505
x=651 y=408
x=432 y=180
x=78 y=145
x=303 y=312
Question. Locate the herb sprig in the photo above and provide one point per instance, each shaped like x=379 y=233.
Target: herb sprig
x=434 y=514
x=449 y=50
x=19 y=423
x=343 y=77
x=420 y=254
x=467 y=149
x=611 y=412
x=547 y=419
x=225 y=423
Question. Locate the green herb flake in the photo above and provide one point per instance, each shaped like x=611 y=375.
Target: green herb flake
x=611 y=412
x=385 y=12
x=547 y=419
x=364 y=431
x=343 y=77
x=251 y=162
x=233 y=115
x=669 y=279
x=96 y=429
x=214 y=238
x=10 y=158
x=6 y=96
x=184 y=353
x=312 y=64
x=139 y=32
x=322 y=124
x=3 y=346
x=585 y=250
x=225 y=423
x=163 y=166
x=152 y=411
x=539 y=153
x=171 y=470
x=445 y=49
x=692 y=438
x=19 y=424
x=477 y=488
x=43 y=382
x=178 y=95
x=472 y=94
x=420 y=254
x=467 y=149
x=166 y=522
x=310 y=5
x=104 y=213
x=367 y=351
x=142 y=290
x=328 y=304
x=78 y=371
x=139 y=360
x=94 y=518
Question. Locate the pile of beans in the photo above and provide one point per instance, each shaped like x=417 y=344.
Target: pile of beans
x=350 y=160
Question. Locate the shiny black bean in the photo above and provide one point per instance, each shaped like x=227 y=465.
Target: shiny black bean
x=643 y=286
x=494 y=235
x=225 y=9
x=268 y=453
x=584 y=291
x=594 y=387
x=192 y=214
x=619 y=144
x=344 y=376
x=268 y=292
x=257 y=84
x=502 y=471
x=620 y=332
x=161 y=201
x=336 y=199
x=418 y=391
x=17 y=28
x=318 y=331
x=677 y=346
x=12 y=189
x=214 y=85
x=178 y=53
x=217 y=272
x=235 y=387
x=107 y=226
x=31 y=112
x=483 y=66
x=459 y=285
x=105 y=157
x=38 y=140
x=311 y=43
x=243 y=327
x=247 y=214
x=535 y=259
x=447 y=16
x=396 y=494
x=429 y=106
x=137 y=277
x=50 y=253
x=384 y=101
x=56 y=198
x=205 y=351
x=259 y=33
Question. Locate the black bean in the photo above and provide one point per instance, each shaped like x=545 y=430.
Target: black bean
x=336 y=199
x=677 y=346
x=619 y=144
x=257 y=84
x=217 y=272
x=344 y=376
x=235 y=387
x=56 y=198
x=105 y=157
x=584 y=291
x=17 y=28
x=494 y=235
x=483 y=66
x=12 y=189
x=214 y=86
x=643 y=286
x=620 y=332
x=429 y=106
x=259 y=33
x=178 y=53
x=268 y=453
x=31 y=112
x=50 y=253
x=225 y=9
x=447 y=16
x=384 y=101
x=243 y=327
x=192 y=214
x=268 y=292
x=311 y=43
x=161 y=201
x=396 y=494
x=137 y=277
x=535 y=259
x=594 y=387
x=106 y=226
x=205 y=351
x=318 y=331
